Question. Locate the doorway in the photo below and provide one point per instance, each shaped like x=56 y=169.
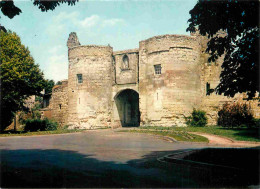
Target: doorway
x=127 y=104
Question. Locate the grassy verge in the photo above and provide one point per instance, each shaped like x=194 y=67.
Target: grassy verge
x=240 y=134
x=22 y=133
x=177 y=135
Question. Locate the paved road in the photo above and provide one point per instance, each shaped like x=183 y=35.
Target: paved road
x=101 y=158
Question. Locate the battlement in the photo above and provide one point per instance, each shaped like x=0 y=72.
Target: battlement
x=91 y=46
x=164 y=43
x=89 y=50
x=158 y=37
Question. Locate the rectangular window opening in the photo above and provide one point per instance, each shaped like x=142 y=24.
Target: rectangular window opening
x=79 y=78
x=207 y=89
x=158 y=69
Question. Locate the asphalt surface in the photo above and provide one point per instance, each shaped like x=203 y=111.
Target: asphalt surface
x=102 y=158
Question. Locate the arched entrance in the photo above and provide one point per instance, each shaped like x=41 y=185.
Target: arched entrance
x=127 y=104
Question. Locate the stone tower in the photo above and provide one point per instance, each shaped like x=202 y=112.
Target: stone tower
x=89 y=94
x=168 y=97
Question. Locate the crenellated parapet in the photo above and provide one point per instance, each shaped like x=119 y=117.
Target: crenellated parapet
x=164 y=43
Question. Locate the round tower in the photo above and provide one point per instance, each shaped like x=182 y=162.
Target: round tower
x=169 y=79
x=89 y=84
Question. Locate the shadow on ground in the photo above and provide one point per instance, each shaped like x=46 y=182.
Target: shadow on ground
x=246 y=132
x=60 y=168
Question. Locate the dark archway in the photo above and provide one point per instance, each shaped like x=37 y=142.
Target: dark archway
x=127 y=104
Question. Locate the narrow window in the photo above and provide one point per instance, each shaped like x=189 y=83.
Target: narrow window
x=80 y=78
x=158 y=69
x=125 y=62
x=60 y=106
x=207 y=89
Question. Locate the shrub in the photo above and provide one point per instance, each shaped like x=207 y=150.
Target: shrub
x=51 y=125
x=236 y=115
x=256 y=122
x=36 y=114
x=197 y=119
x=34 y=125
x=40 y=125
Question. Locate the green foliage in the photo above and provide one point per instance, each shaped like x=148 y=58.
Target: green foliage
x=39 y=99
x=58 y=83
x=197 y=119
x=20 y=76
x=34 y=125
x=49 y=85
x=40 y=125
x=36 y=114
x=176 y=135
x=239 y=44
x=235 y=115
x=21 y=118
x=51 y=125
x=256 y=122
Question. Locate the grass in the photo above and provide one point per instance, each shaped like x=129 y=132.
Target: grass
x=23 y=133
x=177 y=135
x=240 y=134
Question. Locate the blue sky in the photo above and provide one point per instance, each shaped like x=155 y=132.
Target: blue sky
x=122 y=24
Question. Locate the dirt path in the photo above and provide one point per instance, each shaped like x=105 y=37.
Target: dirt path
x=218 y=140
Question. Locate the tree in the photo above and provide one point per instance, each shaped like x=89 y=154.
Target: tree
x=9 y=9
x=49 y=86
x=240 y=45
x=20 y=77
x=59 y=83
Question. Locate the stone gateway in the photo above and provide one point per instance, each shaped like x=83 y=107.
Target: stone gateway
x=157 y=84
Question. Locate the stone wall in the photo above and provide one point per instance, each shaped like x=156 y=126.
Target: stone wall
x=166 y=98
x=126 y=75
x=90 y=101
x=59 y=103
x=109 y=82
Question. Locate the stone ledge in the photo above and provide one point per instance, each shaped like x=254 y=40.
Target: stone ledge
x=127 y=51
x=91 y=46
x=169 y=36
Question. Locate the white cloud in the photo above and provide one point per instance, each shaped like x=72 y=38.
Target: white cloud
x=56 y=67
x=55 y=49
x=64 y=16
x=63 y=21
x=56 y=63
x=112 y=22
x=60 y=22
x=90 y=21
x=96 y=20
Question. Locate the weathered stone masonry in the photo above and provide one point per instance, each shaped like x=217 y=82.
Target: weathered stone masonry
x=157 y=84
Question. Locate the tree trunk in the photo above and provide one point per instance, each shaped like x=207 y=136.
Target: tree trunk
x=15 y=122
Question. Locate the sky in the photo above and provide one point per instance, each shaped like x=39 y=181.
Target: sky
x=121 y=24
